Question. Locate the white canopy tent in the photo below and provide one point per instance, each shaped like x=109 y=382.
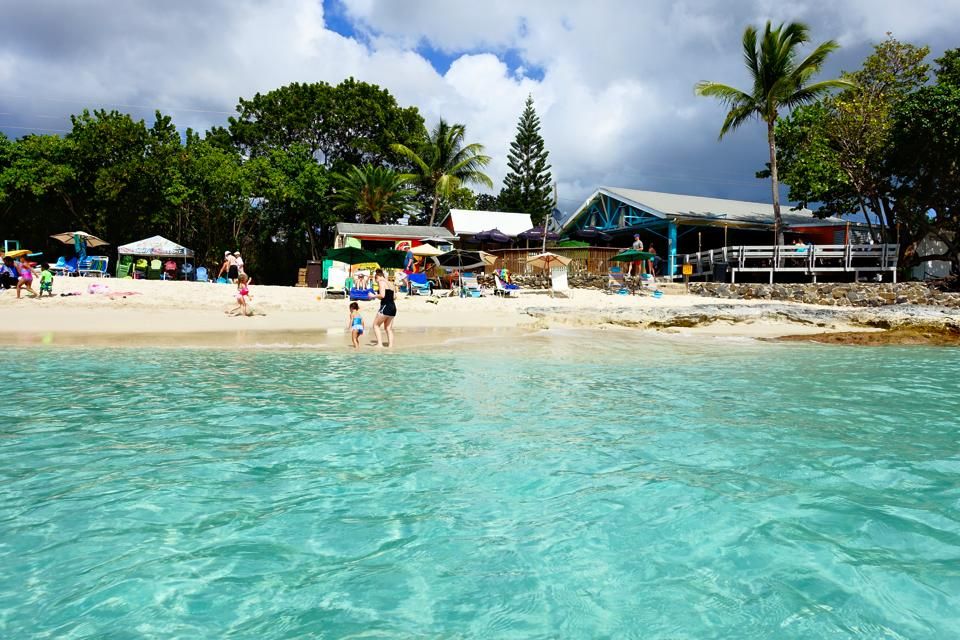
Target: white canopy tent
x=157 y=247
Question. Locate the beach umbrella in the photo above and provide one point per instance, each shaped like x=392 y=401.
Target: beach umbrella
x=17 y=253
x=389 y=258
x=350 y=255
x=492 y=235
x=70 y=237
x=427 y=250
x=462 y=259
x=536 y=233
x=573 y=244
x=632 y=255
x=547 y=260
x=592 y=232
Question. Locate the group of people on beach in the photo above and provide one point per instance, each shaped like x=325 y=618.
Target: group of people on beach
x=20 y=275
x=232 y=267
x=386 y=314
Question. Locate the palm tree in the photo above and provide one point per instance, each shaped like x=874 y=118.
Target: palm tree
x=443 y=163
x=374 y=193
x=779 y=82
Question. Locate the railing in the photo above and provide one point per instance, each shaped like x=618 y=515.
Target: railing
x=585 y=260
x=809 y=259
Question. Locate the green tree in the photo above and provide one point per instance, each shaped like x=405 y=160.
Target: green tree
x=780 y=82
x=488 y=202
x=925 y=158
x=372 y=193
x=348 y=124
x=834 y=151
x=526 y=188
x=443 y=163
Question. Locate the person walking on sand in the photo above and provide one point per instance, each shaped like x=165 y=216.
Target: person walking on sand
x=46 y=280
x=26 y=278
x=229 y=268
x=243 y=294
x=388 y=309
x=239 y=261
x=355 y=324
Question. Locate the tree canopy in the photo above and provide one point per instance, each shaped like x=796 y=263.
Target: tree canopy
x=780 y=81
x=526 y=188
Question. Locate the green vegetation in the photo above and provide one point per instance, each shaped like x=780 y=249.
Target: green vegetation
x=273 y=182
x=443 y=164
x=780 y=82
x=526 y=188
x=887 y=147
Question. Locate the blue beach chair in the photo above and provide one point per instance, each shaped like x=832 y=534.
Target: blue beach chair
x=200 y=274
x=419 y=285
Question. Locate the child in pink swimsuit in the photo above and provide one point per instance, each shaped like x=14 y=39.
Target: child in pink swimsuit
x=26 y=278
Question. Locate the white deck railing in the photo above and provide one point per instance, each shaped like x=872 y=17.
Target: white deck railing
x=808 y=260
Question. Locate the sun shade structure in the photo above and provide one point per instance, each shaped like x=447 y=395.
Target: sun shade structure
x=468 y=224
x=548 y=260
x=157 y=246
x=427 y=250
x=492 y=235
x=631 y=255
x=536 y=233
x=351 y=255
x=70 y=237
x=460 y=259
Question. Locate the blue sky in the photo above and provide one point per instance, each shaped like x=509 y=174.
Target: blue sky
x=612 y=80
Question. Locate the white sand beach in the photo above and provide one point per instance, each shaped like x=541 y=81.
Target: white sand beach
x=179 y=312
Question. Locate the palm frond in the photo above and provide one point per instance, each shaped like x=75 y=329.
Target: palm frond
x=813 y=92
x=728 y=95
x=736 y=117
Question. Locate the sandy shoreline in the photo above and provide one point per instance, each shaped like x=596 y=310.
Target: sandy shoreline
x=152 y=312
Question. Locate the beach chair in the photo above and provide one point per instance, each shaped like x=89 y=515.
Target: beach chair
x=558 y=283
x=124 y=267
x=187 y=271
x=169 y=270
x=65 y=267
x=200 y=274
x=155 y=270
x=419 y=285
x=470 y=286
x=502 y=289
x=140 y=268
x=616 y=281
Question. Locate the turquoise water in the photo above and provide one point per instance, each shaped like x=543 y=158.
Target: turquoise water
x=550 y=487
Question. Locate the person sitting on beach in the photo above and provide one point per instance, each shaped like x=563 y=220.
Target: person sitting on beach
x=8 y=273
x=46 y=280
x=355 y=325
x=26 y=278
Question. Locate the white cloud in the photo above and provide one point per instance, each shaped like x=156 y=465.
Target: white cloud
x=615 y=97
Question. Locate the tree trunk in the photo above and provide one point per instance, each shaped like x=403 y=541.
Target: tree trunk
x=866 y=215
x=775 y=182
x=433 y=212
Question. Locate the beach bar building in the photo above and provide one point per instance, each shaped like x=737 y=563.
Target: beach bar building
x=737 y=235
x=390 y=235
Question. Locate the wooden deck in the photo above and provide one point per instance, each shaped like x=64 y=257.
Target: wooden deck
x=812 y=260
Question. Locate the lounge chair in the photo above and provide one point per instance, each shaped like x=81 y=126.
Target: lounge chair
x=361 y=294
x=124 y=266
x=616 y=282
x=470 y=286
x=419 y=285
x=65 y=267
x=93 y=266
x=140 y=268
x=558 y=282
x=187 y=271
x=169 y=270
x=155 y=270
x=201 y=274
x=505 y=290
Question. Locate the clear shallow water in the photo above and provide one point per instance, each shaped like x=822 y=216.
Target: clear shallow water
x=547 y=488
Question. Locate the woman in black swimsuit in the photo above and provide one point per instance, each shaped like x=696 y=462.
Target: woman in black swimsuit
x=388 y=309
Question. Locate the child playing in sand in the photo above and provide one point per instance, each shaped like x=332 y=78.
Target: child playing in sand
x=26 y=278
x=243 y=294
x=355 y=325
x=46 y=280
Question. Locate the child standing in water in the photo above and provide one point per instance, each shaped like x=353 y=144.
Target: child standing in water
x=355 y=325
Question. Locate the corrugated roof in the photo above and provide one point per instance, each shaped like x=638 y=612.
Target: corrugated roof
x=471 y=222
x=393 y=231
x=692 y=208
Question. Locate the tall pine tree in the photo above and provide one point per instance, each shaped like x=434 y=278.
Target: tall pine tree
x=526 y=189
